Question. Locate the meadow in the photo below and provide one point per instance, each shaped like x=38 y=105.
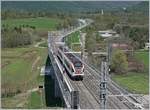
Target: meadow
x=136 y=82
x=40 y=23
x=143 y=56
x=20 y=71
x=73 y=41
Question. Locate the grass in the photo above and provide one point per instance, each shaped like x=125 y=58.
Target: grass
x=35 y=101
x=16 y=70
x=20 y=69
x=134 y=82
x=143 y=56
x=74 y=40
x=74 y=37
x=76 y=47
x=39 y=23
x=19 y=74
x=11 y=102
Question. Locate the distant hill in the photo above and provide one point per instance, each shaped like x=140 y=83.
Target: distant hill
x=141 y=7
x=66 y=6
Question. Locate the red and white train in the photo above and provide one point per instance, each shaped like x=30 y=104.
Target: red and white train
x=73 y=65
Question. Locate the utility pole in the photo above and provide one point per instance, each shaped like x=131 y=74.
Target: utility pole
x=103 y=84
x=82 y=38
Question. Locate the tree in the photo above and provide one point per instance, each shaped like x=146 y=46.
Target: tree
x=119 y=62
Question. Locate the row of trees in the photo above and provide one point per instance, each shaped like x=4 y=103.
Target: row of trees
x=139 y=37
x=6 y=14
x=14 y=37
x=137 y=34
x=67 y=22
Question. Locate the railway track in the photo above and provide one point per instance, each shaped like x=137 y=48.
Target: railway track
x=89 y=92
x=113 y=90
x=86 y=99
x=93 y=86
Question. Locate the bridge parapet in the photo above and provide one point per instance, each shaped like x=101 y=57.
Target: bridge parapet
x=68 y=93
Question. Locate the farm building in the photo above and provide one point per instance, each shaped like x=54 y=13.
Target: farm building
x=108 y=34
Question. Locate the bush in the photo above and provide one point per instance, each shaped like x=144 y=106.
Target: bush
x=15 y=37
x=119 y=62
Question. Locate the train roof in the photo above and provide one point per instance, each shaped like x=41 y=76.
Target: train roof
x=70 y=56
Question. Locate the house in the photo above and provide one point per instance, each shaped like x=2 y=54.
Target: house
x=147 y=45
x=121 y=46
x=108 y=34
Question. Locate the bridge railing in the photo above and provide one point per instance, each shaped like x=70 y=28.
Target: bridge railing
x=70 y=95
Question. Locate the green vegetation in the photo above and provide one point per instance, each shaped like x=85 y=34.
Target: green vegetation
x=76 y=47
x=38 y=23
x=35 y=100
x=134 y=82
x=119 y=62
x=21 y=32
x=20 y=71
x=142 y=56
x=15 y=37
x=139 y=36
x=26 y=24
x=72 y=7
x=73 y=40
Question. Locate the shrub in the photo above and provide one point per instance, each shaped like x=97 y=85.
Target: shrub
x=119 y=62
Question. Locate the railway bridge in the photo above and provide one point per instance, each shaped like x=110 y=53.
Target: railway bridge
x=85 y=94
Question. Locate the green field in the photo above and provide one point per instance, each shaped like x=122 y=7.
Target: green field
x=35 y=100
x=19 y=63
x=20 y=67
x=39 y=23
x=20 y=70
x=73 y=40
x=134 y=82
x=142 y=56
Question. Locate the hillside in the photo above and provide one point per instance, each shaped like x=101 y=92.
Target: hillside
x=142 y=7
x=70 y=6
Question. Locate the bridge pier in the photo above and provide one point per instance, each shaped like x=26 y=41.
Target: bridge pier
x=57 y=89
x=57 y=92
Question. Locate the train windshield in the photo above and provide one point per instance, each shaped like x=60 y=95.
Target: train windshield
x=78 y=64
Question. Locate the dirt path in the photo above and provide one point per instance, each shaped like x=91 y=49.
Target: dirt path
x=25 y=95
x=38 y=43
x=35 y=62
